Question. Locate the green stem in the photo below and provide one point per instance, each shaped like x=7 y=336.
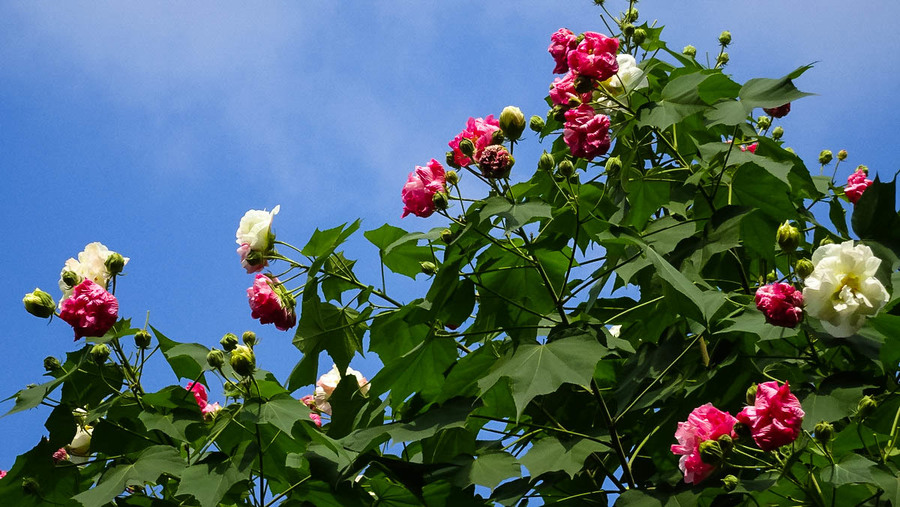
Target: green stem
x=617 y=443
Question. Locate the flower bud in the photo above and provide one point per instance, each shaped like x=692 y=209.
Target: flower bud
x=772 y=277
x=231 y=389
x=751 y=394
x=451 y=160
x=215 y=358
x=631 y=15
x=842 y=155
x=826 y=241
x=725 y=38
x=39 y=303
x=788 y=237
x=566 y=168
x=30 y=486
x=497 y=137
x=866 y=406
x=71 y=278
x=100 y=353
x=825 y=157
x=583 y=84
x=495 y=162
x=243 y=361
x=115 y=263
x=249 y=338
x=823 y=431
x=142 y=339
x=730 y=482
x=51 y=363
x=428 y=268
x=777 y=132
x=863 y=168
x=452 y=177
x=447 y=236
x=640 y=35
x=255 y=257
x=628 y=30
x=764 y=122
x=467 y=147
x=229 y=342
x=804 y=268
x=440 y=200
x=613 y=166
x=546 y=162
x=536 y=123
x=711 y=452
x=726 y=442
x=512 y=122
x=689 y=51
x=742 y=431
x=722 y=59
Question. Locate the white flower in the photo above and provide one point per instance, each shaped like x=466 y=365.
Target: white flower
x=628 y=78
x=80 y=447
x=842 y=289
x=615 y=331
x=327 y=383
x=91 y=264
x=255 y=228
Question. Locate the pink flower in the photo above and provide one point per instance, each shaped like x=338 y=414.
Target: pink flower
x=586 y=132
x=270 y=303
x=704 y=423
x=244 y=250
x=90 y=310
x=495 y=162
x=60 y=455
x=775 y=418
x=561 y=43
x=595 y=56
x=2 y=474
x=562 y=91
x=750 y=147
x=422 y=184
x=857 y=183
x=316 y=419
x=778 y=112
x=480 y=132
x=781 y=303
x=202 y=398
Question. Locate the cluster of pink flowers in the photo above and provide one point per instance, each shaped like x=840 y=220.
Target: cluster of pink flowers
x=90 y=310
x=199 y=392
x=586 y=133
x=594 y=56
x=271 y=303
x=421 y=186
x=857 y=183
x=781 y=303
x=778 y=112
x=478 y=130
x=775 y=417
x=704 y=423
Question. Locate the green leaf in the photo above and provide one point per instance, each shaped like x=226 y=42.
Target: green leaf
x=322 y=244
x=148 y=466
x=209 y=480
x=875 y=215
x=188 y=360
x=420 y=370
x=764 y=92
x=851 y=469
x=489 y=470
x=551 y=454
x=324 y=326
x=534 y=370
x=758 y=188
x=706 y=303
x=680 y=99
x=282 y=411
x=515 y=215
x=399 y=249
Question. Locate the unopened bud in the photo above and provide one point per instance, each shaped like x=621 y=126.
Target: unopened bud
x=823 y=431
x=229 y=342
x=863 y=168
x=467 y=147
x=628 y=30
x=115 y=263
x=512 y=122
x=215 y=358
x=100 y=353
x=447 y=236
x=613 y=166
x=826 y=241
x=428 y=268
x=452 y=177
x=142 y=339
x=51 y=363
x=566 y=168
x=764 y=122
x=249 y=338
x=536 y=123
x=640 y=35
x=689 y=51
x=866 y=406
x=546 y=162
x=440 y=200
x=71 y=278
x=39 y=303
x=243 y=361
x=777 y=132
x=742 y=431
x=584 y=84
x=788 y=237
x=726 y=442
x=711 y=452
x=772 y=277
x=751 y=394
x=730 y=482
x=804 y=268
x=497 y=137
x=725 y=38
x=723 y=58
x=825 y=157
x=631 y=15
x=842 y=155
x=451 y=160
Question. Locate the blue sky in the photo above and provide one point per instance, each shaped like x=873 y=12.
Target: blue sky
x=152 y=127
